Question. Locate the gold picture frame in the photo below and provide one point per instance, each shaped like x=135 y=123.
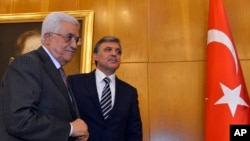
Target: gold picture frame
x=85 y=17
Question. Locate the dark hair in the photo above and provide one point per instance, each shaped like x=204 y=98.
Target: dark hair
x=106 y=39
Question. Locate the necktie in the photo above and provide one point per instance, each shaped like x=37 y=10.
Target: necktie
x=64 y=78
x=63 y=75
x=106 y=104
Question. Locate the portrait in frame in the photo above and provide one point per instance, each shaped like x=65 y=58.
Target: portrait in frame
x=13 y=26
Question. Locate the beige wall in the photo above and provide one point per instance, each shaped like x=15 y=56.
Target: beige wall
x=164 y=45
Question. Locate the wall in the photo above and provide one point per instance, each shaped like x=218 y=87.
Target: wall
x=164 y=45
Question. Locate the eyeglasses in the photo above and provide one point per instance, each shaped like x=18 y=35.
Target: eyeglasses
x=69 y=37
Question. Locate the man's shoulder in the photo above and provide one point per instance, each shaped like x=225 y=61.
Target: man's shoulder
x=124 y=83
x=80 y=75
x=29 y=56
x=29 y=59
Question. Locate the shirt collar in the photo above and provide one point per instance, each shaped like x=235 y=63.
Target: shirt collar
x=55 y=62
x=100 y=76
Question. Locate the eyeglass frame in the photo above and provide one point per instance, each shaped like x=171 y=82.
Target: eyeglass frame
x=69 y=38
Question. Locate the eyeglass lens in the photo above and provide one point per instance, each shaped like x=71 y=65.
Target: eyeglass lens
x=69 y=37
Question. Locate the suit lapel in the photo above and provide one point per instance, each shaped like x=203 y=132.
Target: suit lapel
x=54 y=75
x=75 y=108
x=91 y=85
x=117 y=96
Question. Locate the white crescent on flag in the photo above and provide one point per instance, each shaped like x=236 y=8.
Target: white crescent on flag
x=219 y=36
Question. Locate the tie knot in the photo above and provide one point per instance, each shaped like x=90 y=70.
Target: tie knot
x=106 y=80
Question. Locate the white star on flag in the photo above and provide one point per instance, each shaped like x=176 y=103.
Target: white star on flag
x=232 y=98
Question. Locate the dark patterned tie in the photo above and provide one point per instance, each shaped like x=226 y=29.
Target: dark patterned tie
x=63 y=75
x=106 y=104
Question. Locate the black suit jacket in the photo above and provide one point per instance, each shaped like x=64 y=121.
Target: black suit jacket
x=34 y=102
x=124 y=123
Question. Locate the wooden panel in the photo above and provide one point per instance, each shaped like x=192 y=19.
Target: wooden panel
x=239 y=20
x=6 y=6
x=177 y=30
x=65 y=5
x=136 y=75
x=23 y=6
x=125 y=19
x=26 y=6
x=245 y=69
x=177 y=101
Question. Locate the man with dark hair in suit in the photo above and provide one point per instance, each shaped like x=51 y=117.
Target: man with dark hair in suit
x=107 y=104
x=35 y=103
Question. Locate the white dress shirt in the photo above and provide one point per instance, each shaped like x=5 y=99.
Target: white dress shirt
x=100 y=84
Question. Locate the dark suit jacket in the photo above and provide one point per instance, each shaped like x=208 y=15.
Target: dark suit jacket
x=34 y=102
x=124 y=123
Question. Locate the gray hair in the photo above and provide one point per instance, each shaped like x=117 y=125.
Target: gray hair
x=52 y=22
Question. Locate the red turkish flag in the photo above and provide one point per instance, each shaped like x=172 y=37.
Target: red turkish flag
x=227 y=100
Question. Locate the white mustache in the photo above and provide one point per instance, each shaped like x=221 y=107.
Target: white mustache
x=70 y=49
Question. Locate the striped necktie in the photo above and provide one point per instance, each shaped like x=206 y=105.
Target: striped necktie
x=106 y=104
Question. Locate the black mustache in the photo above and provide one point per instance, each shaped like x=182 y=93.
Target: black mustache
x=113 y=59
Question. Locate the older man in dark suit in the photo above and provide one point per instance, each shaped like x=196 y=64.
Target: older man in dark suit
x=107 y=104
x=35 y=103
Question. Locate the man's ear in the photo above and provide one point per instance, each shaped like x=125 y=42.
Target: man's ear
x=46 y=38
x=95 y=56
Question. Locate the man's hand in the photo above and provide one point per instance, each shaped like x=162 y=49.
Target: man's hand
x=83 y=138
x=80 y=130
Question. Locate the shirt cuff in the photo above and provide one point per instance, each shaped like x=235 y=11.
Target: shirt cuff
x=71 y=129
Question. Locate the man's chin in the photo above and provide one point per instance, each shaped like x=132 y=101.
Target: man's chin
x=68 y=58
x=115 y=66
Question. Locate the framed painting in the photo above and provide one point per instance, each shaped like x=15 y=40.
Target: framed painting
x=16 y=27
